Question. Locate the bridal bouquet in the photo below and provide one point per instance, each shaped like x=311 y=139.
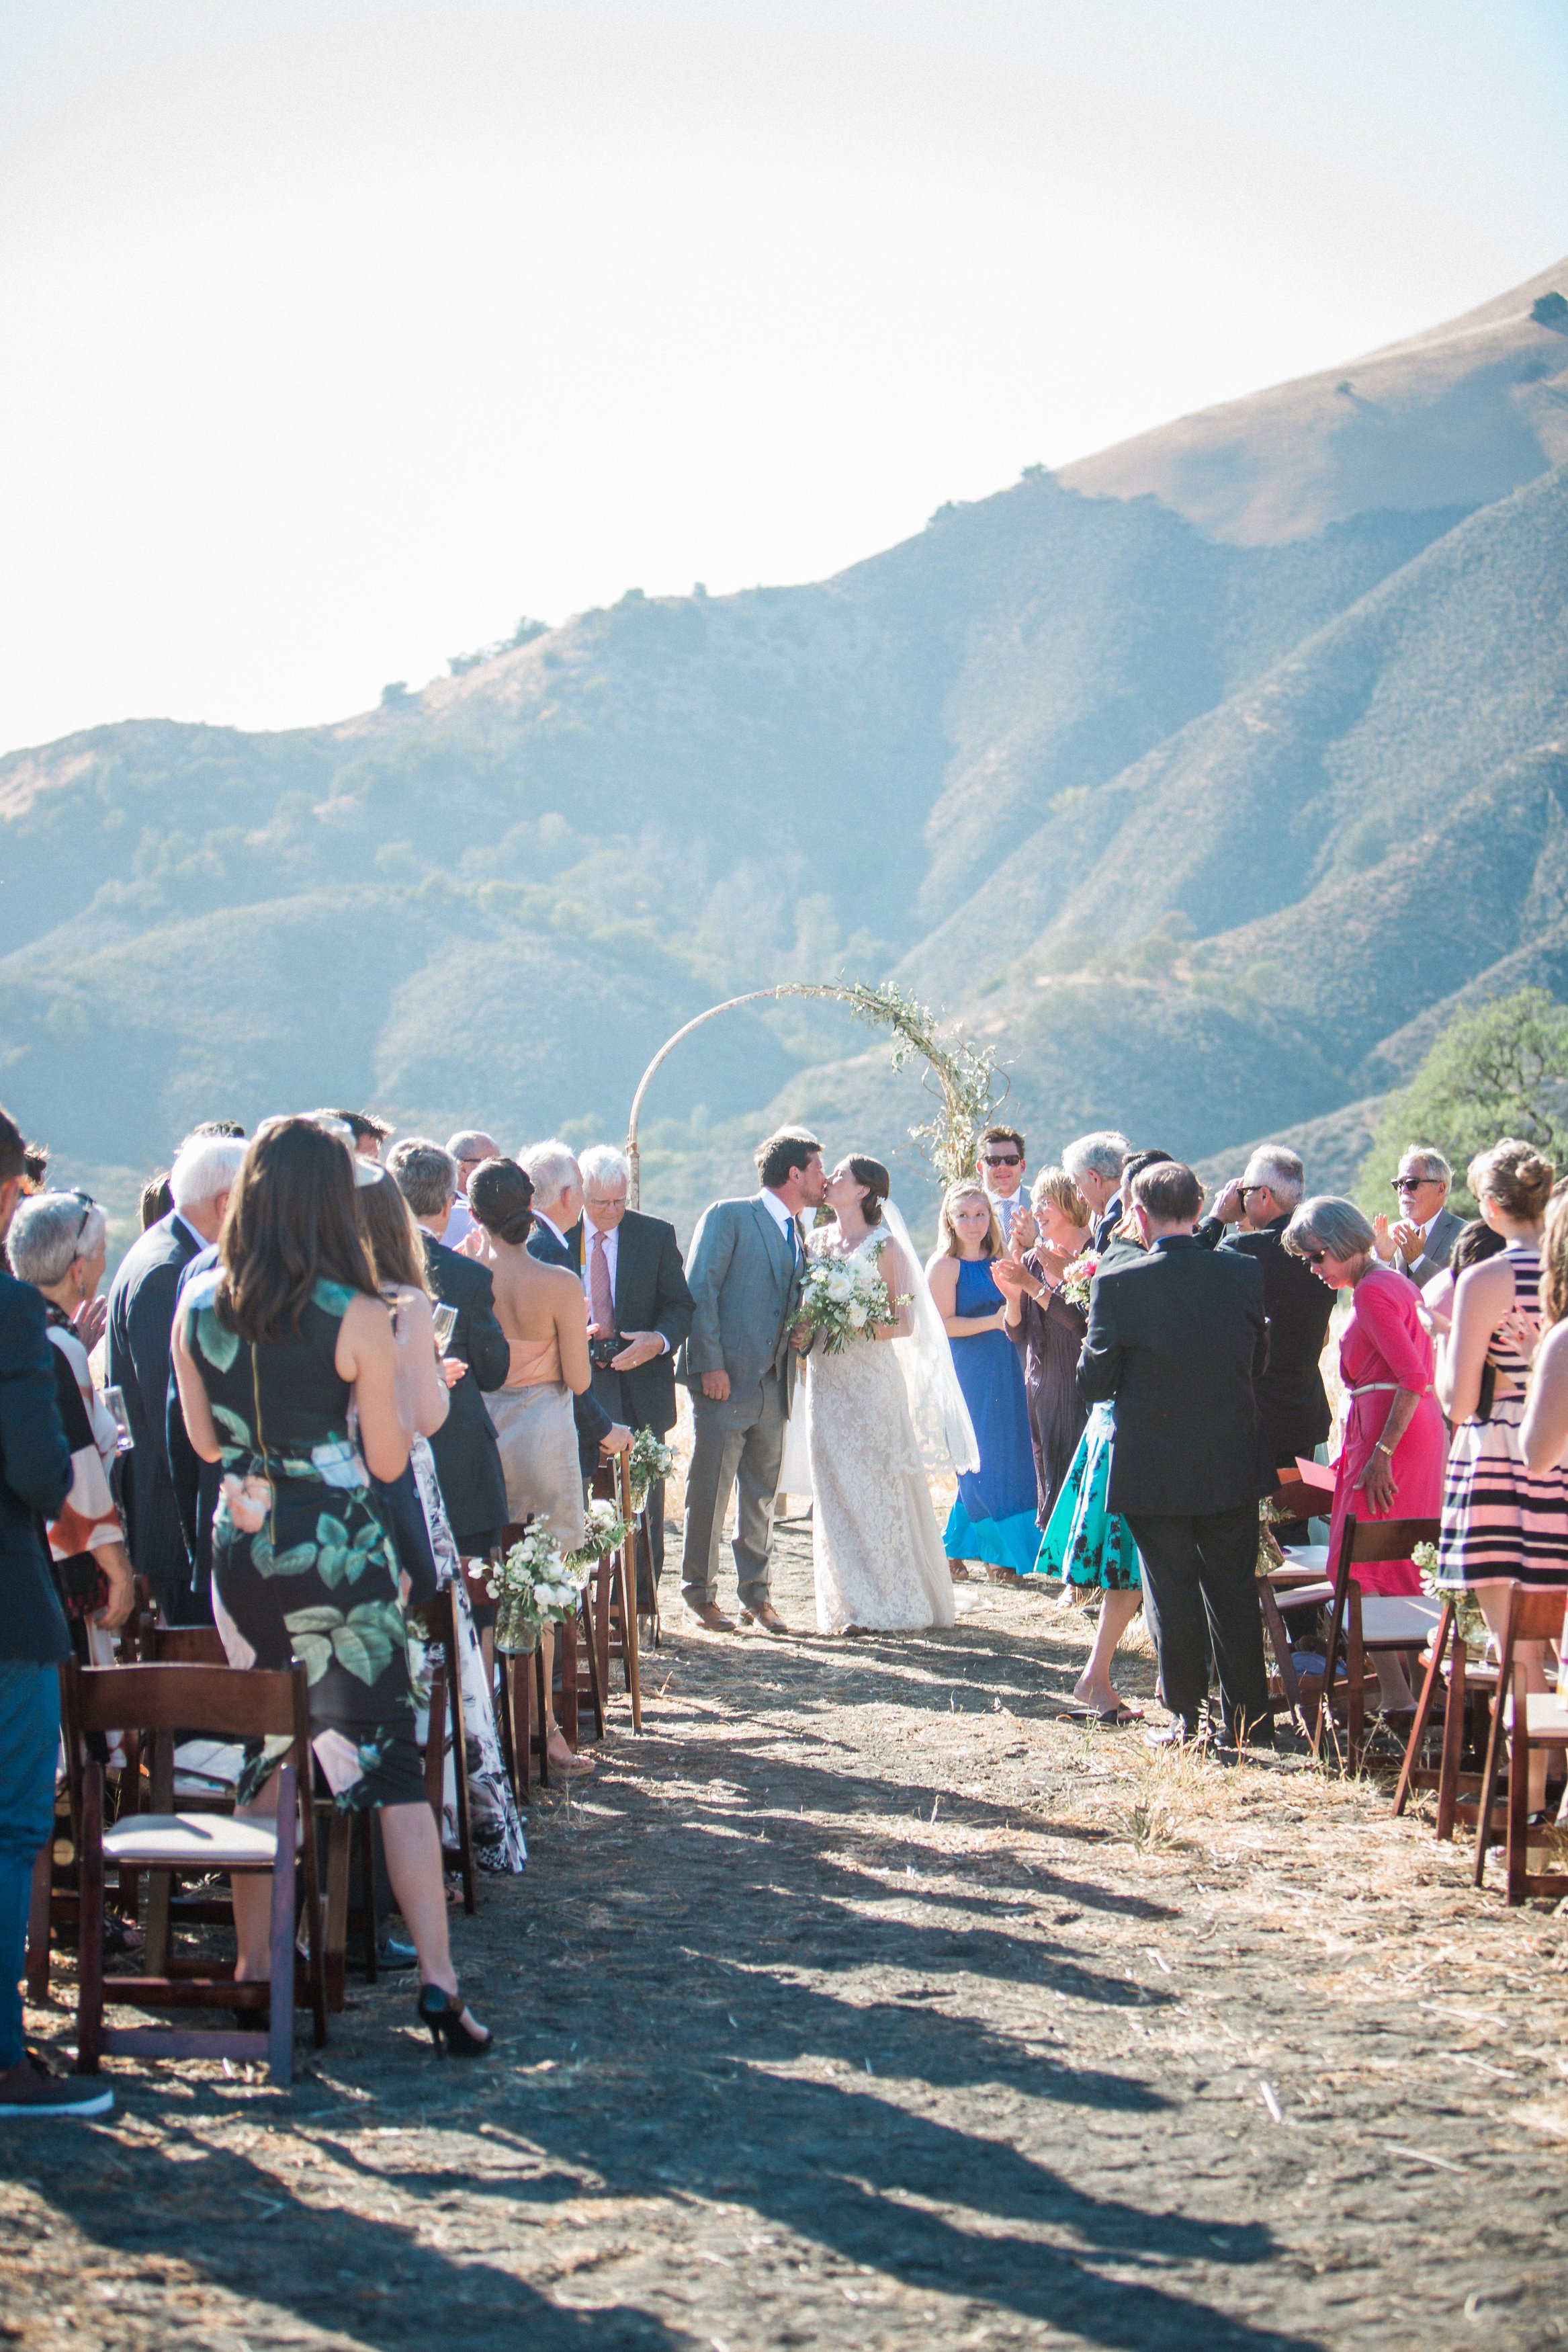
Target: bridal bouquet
x=845 y=1298
x=650 y=1460
x=1075 y=1282
x=536 y=1585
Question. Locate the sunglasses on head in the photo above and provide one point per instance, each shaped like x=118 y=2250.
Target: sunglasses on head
x=89 y=1205
x=1004 y=1158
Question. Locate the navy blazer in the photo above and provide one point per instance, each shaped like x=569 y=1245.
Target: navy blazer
x=141 y=1324
x=651 y=1295
x=592 y=1421
x=467 y=1458
x=35 y=1479
x=1290 y=1393
x=1177 y=1340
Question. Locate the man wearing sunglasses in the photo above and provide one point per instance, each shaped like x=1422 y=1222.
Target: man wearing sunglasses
x=1000 y=1168
x=1420 y=1239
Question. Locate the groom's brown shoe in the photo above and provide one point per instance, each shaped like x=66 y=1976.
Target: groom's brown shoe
x=767 y=1617
x=711 y=1615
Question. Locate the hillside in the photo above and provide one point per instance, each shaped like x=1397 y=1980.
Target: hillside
x=1202 y=815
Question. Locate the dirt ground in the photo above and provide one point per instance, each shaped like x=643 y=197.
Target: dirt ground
x=862 y=2002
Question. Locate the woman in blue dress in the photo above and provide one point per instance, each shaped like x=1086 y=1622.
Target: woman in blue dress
x=993 y=1518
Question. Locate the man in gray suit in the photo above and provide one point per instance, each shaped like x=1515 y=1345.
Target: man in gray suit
x=1421 y=1242
x=748 y=1258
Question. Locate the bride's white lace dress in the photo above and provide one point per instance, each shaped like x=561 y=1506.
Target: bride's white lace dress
x=875 y=1549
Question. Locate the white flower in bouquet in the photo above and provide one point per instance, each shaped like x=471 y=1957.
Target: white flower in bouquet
x=535 y=1585
x=650 y=1460
x=606 y=1531
x=845 y=1298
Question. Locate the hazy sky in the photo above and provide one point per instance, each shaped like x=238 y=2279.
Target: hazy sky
x=337 y=336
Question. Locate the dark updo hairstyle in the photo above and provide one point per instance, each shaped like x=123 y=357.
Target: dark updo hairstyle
x=1515 y=1176
x=1475 y=1243
x=878 y=1184
x=500 y=1196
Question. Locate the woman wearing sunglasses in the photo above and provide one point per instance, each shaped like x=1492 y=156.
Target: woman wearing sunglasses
x=1391 y=1459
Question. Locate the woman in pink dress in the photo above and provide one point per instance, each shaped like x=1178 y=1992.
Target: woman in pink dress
x=1392 y=1455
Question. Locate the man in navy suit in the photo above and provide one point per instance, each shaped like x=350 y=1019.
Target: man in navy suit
x=35 y=1478
x=140 y=1323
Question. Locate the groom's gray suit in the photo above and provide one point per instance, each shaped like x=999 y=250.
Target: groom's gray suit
x=745 y=1276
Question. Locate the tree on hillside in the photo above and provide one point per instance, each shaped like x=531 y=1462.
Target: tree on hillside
x=1502 y=1069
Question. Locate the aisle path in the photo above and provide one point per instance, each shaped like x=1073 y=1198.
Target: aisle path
x=862 y=2004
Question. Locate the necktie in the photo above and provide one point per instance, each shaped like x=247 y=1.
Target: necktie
x=598 y=1296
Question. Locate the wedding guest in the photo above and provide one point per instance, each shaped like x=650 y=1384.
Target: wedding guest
x=1543 y=1432
x=1049 y=1329
x=639 y=1313
x=1503 y=1518
x=1094 y=1164
x=1084 y=1542
x=282 y=1335
x=1124 y=1244
x=1177 y=1339
x=999 y=1166
x=155 y=1201
x=1475 y=1243
x=367 y=1131
x=468 y=1460
x=58 y=1242
x=1290 y=1393
x=468 y=1148
x=35 y=1478
x=993 y=1514
x=552 y=1170
x=141 y=1316
x=1420 y=1243
x=1391 y=1456
x=541 y=1310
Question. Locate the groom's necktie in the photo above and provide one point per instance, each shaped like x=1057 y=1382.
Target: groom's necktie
x=796 y=1251
x=598 y=1295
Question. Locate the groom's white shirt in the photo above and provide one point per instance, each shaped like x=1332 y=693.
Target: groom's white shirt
x=780 y=1216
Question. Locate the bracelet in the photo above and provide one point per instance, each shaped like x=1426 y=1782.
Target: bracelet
x=1382 y=1448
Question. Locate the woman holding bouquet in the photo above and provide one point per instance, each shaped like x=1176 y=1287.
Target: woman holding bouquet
x=875 y=1553
x=993 y=1516
x=1047 y=1324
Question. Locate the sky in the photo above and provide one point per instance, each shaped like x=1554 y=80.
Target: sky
x=340 y=335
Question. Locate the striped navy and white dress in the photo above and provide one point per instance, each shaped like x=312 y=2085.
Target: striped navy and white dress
x=1500 y=1519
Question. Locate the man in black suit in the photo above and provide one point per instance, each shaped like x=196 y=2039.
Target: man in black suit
x=552 y=1170
x=1178 y=1341
x=467 y=1458
x=141 y=1322
x=1291 y=1398
x=637 y=1298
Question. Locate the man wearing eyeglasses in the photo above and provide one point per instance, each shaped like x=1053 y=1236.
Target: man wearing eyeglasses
x=1000 y=1167
x=1420 y=1240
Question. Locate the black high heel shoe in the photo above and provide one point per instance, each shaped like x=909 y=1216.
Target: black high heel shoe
x=452 y=2029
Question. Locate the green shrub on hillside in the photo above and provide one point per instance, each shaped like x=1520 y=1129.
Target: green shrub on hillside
x=1502 y=1069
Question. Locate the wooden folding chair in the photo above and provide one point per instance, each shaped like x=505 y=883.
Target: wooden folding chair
x=520 y=1682
x=618 y=1619
x=1368 y=1623
x=1467 y=1686
x=1280 y=1588
x=246 y=1704
x=1535 y=1613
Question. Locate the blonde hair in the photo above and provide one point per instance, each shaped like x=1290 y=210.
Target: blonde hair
x=1055 y=1185
x=1514 y=1175
x=947 y=1236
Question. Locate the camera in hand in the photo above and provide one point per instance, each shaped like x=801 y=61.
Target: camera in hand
x=602 y=1353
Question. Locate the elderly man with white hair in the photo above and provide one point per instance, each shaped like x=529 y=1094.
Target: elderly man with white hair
x=551 y=1167
x=1094 y=1163
x=1251 y=1214
x=639 y=1313
x=141 y=1318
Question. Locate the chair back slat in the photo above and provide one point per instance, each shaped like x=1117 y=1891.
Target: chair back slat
x=1536 y=1612
x=1390 y=1539
x=248 y=1703
x=186 y=1646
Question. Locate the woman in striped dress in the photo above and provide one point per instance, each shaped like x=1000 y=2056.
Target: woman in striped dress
x=1501 y=1520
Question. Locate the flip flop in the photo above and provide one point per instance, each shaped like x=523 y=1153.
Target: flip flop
x=1117 y=1718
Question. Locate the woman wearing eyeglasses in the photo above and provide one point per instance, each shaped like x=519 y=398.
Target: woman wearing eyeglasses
x=1390 y=1457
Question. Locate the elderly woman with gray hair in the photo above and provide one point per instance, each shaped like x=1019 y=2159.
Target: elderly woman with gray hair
x=1390 y=1457
x=58 y=1243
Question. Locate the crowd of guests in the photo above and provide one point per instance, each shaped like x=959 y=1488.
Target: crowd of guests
x=1167 y=1373
x=320 y=1384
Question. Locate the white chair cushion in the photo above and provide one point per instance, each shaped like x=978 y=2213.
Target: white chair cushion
x=1546 y=1714
x=1312 y=1556
x=1408 y=1618
x=192 y=1842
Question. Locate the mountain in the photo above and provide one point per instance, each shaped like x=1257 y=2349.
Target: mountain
x=1201 y=780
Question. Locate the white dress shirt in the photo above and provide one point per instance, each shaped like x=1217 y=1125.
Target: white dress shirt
x=1007 y=1209
x=591 y=1236
x=786 y=1223
x=459 y=1224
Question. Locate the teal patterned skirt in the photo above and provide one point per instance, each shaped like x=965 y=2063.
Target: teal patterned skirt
x=1085 y=1542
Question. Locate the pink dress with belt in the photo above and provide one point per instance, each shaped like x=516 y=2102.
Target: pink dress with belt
x=1387 y=1346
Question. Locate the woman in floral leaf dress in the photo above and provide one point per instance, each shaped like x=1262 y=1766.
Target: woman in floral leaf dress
x=272 y=1348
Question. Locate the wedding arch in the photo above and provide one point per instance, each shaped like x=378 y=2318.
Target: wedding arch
x=962 y=1075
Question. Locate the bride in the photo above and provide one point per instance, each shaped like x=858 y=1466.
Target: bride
x=875 y=1549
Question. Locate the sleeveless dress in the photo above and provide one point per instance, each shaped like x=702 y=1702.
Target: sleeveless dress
x=995 y=1514
x=1500 y=1519
x=877 y=1557
x=536 y=1429
x=302 y=1565
x=1386 y=1346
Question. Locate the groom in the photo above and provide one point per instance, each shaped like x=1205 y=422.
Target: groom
x=746 y=1260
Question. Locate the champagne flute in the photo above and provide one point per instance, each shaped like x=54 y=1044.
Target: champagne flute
x=445 y=1319
x=114 y=1398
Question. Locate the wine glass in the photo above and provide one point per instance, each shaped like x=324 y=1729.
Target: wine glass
x=115 y=1400
x=445 y=1319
